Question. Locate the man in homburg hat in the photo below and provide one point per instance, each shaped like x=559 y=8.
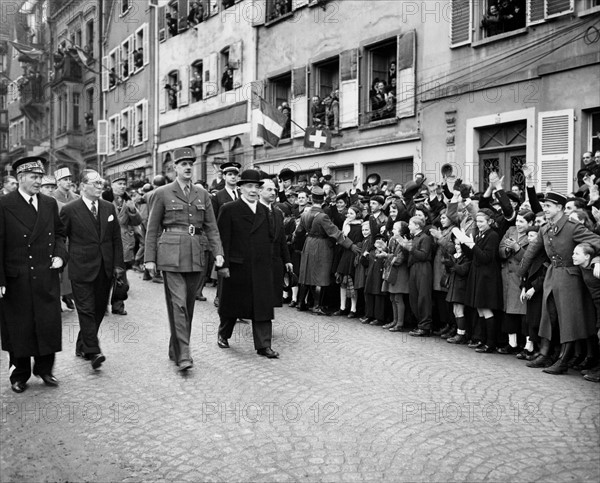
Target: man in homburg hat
x=181 y=230
x=95 y=258
x=32 y=249
x=247 y=232
x=567 y=309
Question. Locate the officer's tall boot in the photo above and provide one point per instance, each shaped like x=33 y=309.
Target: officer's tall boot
x=561 y=366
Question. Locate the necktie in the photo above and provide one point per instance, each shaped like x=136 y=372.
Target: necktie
x=31 y=203
x=186 y=191
x=235 y=197
x=94 y=211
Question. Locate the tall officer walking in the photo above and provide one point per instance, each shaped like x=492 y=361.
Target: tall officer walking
x=183 y=213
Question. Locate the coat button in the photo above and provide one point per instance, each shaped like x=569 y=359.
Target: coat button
x=30 y=256
x=32 y=268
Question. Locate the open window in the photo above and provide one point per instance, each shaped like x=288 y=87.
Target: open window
x=501 y=16
x=227 y=74
x=126 y=54
x=141 y=121
x=76 y=101
x=113 y=68
x=280 y=94
x=172 y=87
x=113 y=133
x=196 y=82
x=141 y=53
x=325 y=101
x=125 y=6
x=277 y=9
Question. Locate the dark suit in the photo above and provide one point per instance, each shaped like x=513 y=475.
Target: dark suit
x=281 y=255
x=95 y=249
x=30 y=320
x=220 y=198
x=248 y=293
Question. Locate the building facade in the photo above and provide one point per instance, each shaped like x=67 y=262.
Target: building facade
x=24 y=94
x=350 y=67
x=206 y=66
x=494 y=97
x=76 y=33
x=126 y=129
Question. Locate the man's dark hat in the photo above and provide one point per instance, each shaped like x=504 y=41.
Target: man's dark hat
x=342 y=196
x=373 y=178
x=318 y=194
x=250 y=176
x=412 y=187
x=380 y=199
x=380 y=236
x=286 y=174
x=290 y=279
x=230 y=166
x=303 y=177
x=556 y=198
x=513 y=196
x=30 y=164
x=183 y=154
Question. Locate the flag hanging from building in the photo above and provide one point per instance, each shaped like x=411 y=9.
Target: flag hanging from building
x=317 y=138
x=267 y=123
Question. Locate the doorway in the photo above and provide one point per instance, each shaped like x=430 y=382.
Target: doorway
x=502 y=148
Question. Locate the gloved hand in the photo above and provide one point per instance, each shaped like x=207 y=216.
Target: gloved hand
x=223 y=273
x=118 y=272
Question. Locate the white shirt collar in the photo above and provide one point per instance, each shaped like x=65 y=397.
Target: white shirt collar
x=26 y=197
x=232 y=192
x=88 y=203
x=269 y=207
x=251 y=205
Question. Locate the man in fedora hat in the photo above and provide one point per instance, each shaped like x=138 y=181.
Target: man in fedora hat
x=567 y=309
x=247 y=232
x=64 y=192
x=181 y=230
x=32 y=249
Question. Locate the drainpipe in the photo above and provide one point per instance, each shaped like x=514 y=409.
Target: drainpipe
x=155 y=82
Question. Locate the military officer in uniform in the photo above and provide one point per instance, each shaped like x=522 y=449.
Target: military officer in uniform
x=181 y=230
x=32 y=249
x=64 y=193
x=567 y=309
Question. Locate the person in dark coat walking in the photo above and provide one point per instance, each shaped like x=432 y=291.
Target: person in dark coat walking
x=282 y=261
x=96 y=256
x=247 y=234
x=564 y=288
x=32 y=249
x=484 y=284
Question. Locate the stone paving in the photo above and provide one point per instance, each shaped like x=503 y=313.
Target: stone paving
x=345 y=402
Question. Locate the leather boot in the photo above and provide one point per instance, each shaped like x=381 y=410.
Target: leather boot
x=561 y=366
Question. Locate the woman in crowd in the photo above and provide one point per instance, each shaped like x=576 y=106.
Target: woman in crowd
x=397 y=282
x=345 y=270
x=459 y=265
x=484 y=284
x=512 y=247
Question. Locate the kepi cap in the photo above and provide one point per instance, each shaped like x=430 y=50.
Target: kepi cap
x=30 y=164
x=231 y=167
x=62 y=173
x=183 y=154
x=48 y=180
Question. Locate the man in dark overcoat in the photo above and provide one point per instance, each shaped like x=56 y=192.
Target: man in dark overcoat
x=95 y=258
x=181 y=230
x=247 y=286
x=282 y=261
x=567 y=309
x=32 y=249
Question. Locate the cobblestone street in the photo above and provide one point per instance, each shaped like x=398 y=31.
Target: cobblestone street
x=345 y=402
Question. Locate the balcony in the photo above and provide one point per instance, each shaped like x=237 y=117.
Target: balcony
x=66 y=69
x=69 y=139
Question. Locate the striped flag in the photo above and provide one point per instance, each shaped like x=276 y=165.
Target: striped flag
x=267 y=123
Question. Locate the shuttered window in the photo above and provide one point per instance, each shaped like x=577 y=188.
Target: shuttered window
x=460 y=33
x=102 y=130
x=555 y=149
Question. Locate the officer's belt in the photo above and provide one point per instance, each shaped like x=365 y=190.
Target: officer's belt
x=188 y=230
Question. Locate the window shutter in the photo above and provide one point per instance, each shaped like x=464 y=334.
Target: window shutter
x=145 y=119
x=460 y=29
x=235 y=62
x=118 y=65
x=182 y=12
x=405 y=81
x=131 y=127
x=161 y=24
x=102 y=130
x=210 y=85
x=555 y=149
x=132 y=67
x=299 y=103
x=105 y=69
x=535 y=11
x=555 y=8
x=298 y=3
x=146 y=42
x=162 y=96
x=348 y=88
x=117 y=132
x=184 y=86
